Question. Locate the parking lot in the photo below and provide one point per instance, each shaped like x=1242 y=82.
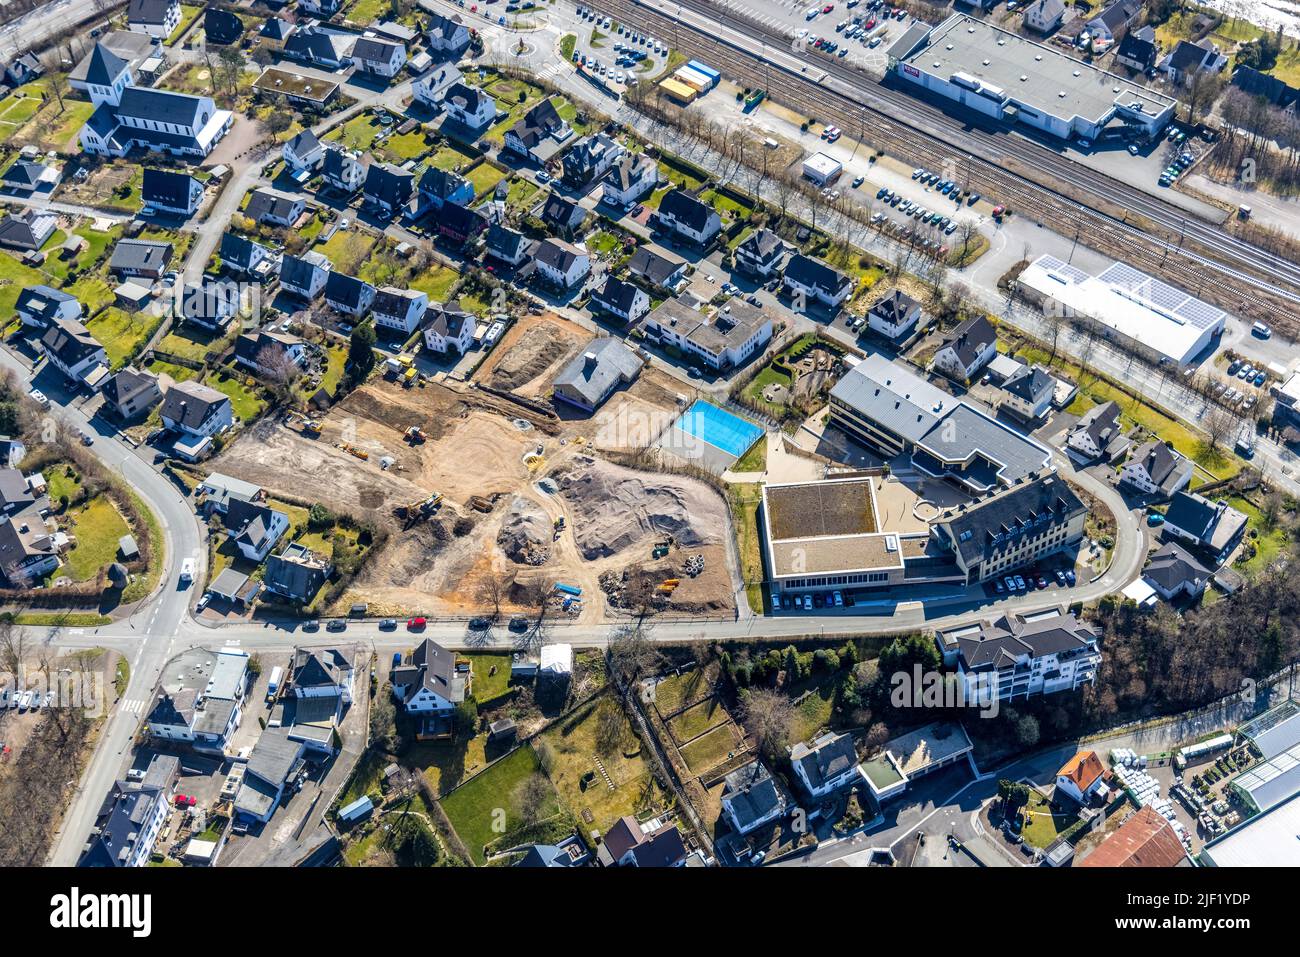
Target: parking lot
x=856 y=31
x=617 y=54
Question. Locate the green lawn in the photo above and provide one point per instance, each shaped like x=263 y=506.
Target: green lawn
x=122 y=333
x=710 y=750
x=59 y=483
x=484 y=178
x=675 y=690
x=336 y=357
x=187 y=342
x=435 y=282
x=94 y=292
x=58 y=127
x=1043 y=825
x=407 y=146
x=522 y=193
x=483 y=809
x=14 y=278
x=1268 y=544
x=178 y=373
x=188 y=13
x=755 y=460
x=357 y=133
x=489 y=686
x=97 y=526
x=247 y=403
x=97 y=243
x=697 y=719
x=449 y=156
x=567 y=43
x=347 y=249
x=814 y=712
x=366 y=12
x=744 y=501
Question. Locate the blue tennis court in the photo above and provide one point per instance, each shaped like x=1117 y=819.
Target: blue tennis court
x=719 y=428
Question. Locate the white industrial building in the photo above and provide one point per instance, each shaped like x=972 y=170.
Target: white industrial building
x=1132 y=309
x=1009 y=77
x=822 y=169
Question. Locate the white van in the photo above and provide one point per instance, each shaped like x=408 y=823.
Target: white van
x=187 y=571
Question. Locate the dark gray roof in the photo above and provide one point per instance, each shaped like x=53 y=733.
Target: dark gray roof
x=762 y=245
x=1100 y=423
x=828 y=757
x=120 y=823
x=237 y=251
x=151 y=12
x=895 y=308
x=274 y=756
x=389 y=184
x=988 y=526
x=315 y=667
x=902 y=402
x=1201 y=518
x=448 y=320
x=367 y=48
x=127 y=384
x=561 y=211
x=442 y=183
x=166 y=188
x=617 y=294
x=1172 y=565
x=503 y=241
x=1001 y=643
x=433 y=667
x=653 y=266
x=557 y=253
x=346 y=289
x=250 y=522
x=17 y=544
x=276 y=28
x=297 y=270
x=971 y=338
x=1188 y=56
x=270 y=202
x=296 y=572
x=27 y=229
x=752 y=793
x=685 y=208
x=598 y=370
x=1119 y=13
x=1266 y=85
x=140 y=254
x=465 y=97
x=161 y=106
x=1161 y=462
x=221 y=26
x=304 y=142
x=188 y=403
x=42 y=302
x=70 y=342
x=1028 y=383
x=24 y=175
x=813 y=272
x=1134 y=47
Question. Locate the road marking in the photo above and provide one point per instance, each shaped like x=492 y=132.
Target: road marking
x=133 y=706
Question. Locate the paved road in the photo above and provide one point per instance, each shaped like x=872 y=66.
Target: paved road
x=33 y=29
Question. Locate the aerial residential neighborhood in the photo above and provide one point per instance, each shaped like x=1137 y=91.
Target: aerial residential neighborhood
x=648 y=436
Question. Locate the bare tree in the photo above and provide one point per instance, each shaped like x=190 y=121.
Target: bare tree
x=278 y=371
x=768 y=715
x=532 y=797
x=631 y=655
x=1219 y=424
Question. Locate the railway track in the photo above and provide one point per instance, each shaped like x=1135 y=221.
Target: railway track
x=1251 y=283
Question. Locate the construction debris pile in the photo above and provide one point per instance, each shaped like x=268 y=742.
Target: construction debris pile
x=526 y=534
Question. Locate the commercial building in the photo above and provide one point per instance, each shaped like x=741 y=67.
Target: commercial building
x=200 y=698
x=1011 y=78
x=1265 y=840
x=895 y=412
x=1146 y=839
x=822 y=170
x=1130 y=308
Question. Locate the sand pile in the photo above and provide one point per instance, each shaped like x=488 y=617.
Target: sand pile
x=615 y=508
x=526 y=533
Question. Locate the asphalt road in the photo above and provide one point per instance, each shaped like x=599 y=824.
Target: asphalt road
x=33 y=29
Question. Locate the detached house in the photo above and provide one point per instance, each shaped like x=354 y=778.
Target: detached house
x=1213 y=528
x=342 y=170
x=562 y=214
x=448 y=327
x=316 y=47
x=348 y=295
x=388 y=188
x=447 y=36
x=399 y=309
x=538 y=134
x=827 y=765
x=1098 y=434
x=1044 y=16
x=131 y=393
x=158 y=18
x=895 y=316
x=1027 y=393
x=70 y=348
x=505 y=244
x=469 y=106
x=689 y=217
x=591 y=378
x=296 y=574
x=663 y=273
x=28 y=551
x=632 y=178
x=590 y=159
x=430 y=684
x=1082 y=777
x=441 y=186
x=430 y=88
x=255 y=528
x=304 y=276
x=270 y=353
x=1137 y=52
x=303 y=152
x=177 y=193
x=27 y=229
x=1173 y=572
x=379 y=57
x=967 y=349
x=322 y=673
x=1114 y=20
x=38 y=307
x=243 y=257
x=816 y=281
x=460 y=225
x=624 y=300
x=1156 y=469
x=196 y=410
x=561 y=264
x=628 y=844
x=274 y=207
x=760 y=253
x=751 y=797
x=1188 y=58
x=138 y=257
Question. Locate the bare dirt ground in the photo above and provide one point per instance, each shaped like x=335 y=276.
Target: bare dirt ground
x=484 y=449
x=532 y=353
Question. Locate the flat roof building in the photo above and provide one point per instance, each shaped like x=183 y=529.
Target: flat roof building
x=1131 y=308
x=1265 y=840
x=1014 y=79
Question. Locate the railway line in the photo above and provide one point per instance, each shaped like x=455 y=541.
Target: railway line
x=1190 y=252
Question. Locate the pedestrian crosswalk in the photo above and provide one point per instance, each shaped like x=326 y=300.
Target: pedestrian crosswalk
x=132 y=706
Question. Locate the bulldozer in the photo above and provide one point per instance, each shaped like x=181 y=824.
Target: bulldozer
x=414 y=511
x=415 y=435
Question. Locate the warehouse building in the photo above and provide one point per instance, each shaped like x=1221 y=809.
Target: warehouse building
x=1132 y=309
x=1009 y=77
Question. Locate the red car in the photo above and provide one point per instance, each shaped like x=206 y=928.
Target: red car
x=870 y=23
x=184 y=800
x=998 y=211
x=828 y=8
x=416 y=624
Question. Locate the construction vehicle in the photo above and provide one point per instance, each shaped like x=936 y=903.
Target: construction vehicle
x=408 y=379
x=353 y=450
x=415 y=435
x=421 y=509
x=659 y=551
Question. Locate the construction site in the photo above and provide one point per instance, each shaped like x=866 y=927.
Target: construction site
x=491 y=500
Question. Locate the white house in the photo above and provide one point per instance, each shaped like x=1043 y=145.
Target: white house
x=751 y=798
x=171 y=192
x=1044 y=16
x=469 y=106
x=200 y=698
x=195 y=409
x=448 y=35
x=343 y=170
x=379 y=57
x=304 y=276
x=254 y=350
x=1027 y=393
x=1096 y=432
x=430 y=88
x=827 y=765
x=430 y=681
x=158 y=18
x=41 y=306
x=267 y=205
x=895 y=316
x=348 y=295
x=561 y=264
x=450 y=327
x=303 y=152
x=1155 y=468
x=322 y=673
x=255 y=528
x=967 y=349
x=1082 y=777
x=70 y=348
x=689 y=216
x=630 y=179
x=399 y=309
x=816 y=281
x=624 y=300
x=760 y=254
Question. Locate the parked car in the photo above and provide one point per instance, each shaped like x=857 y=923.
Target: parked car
x=416 y=624
x=184 y=800
x=518 y=623
x=336 y=624
x=39 y=398
x=135 y=774
x=388 y=624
